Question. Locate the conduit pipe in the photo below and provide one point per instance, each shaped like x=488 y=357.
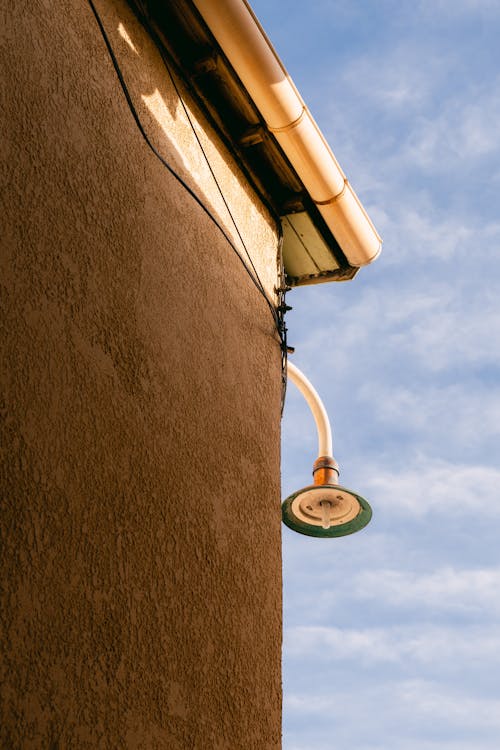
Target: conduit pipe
x=325 y=468
x=325 y=445
x=239 y=34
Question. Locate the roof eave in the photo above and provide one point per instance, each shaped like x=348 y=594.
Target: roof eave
x=247 y=48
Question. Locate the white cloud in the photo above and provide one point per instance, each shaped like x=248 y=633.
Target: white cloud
x=402 y=742
x=435 y=489
x=408 y=352
x=430 y=327
x=453 y=8
x=424 y=645
x=463 y=130
x=419 y=231
x=455 y=417
x=459 y=332
x=411 y=700
x=431 y=700
x=399 y=81
x=447 y=590
x=407 y=714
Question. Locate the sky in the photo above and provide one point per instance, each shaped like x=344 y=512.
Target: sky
x=392 y=635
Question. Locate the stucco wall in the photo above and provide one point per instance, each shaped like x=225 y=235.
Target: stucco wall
x=141 y=571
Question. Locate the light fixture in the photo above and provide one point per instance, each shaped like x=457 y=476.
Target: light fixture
x=325 y=508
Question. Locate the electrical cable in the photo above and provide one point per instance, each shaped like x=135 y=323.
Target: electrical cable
x=281 y=291
x=159 y=47
x=282 y=310
x=255 y=279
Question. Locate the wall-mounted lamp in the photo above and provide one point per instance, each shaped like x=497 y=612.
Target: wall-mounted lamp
x=323 y=509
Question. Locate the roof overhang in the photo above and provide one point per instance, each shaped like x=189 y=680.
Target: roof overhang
x=232 y=69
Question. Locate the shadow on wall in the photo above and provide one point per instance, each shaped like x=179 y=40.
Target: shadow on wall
x=169 y=128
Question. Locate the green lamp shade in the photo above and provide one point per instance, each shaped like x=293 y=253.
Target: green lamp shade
x=326 y=510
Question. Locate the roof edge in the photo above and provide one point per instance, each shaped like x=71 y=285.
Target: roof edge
x=251 y=54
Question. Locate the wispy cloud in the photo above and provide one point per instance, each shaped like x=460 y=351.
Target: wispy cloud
x=453 y=8
x=462 y=131
x=449 y=589
x=462 y=418
x=392 y=640
x=411 y=701
x=436 y=489
x=423 y=644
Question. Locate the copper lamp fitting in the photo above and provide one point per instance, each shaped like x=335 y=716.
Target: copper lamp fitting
x=326 y=470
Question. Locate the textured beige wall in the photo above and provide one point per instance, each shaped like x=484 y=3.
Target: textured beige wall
x=141 y=572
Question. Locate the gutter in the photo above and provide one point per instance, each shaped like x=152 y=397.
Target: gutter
x=246 y=46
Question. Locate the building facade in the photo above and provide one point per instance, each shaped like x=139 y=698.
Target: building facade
x=141 y=482
x=142 y=382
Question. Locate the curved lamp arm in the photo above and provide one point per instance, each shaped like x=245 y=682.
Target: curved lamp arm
x=325 y=445
x=323 y=509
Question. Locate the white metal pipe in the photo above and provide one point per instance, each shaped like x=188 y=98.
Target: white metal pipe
x=252 y=56
x=325 y=445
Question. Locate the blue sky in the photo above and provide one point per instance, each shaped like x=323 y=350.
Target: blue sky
x=392 y=637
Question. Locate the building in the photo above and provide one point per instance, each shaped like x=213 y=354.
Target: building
x=155 y=186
